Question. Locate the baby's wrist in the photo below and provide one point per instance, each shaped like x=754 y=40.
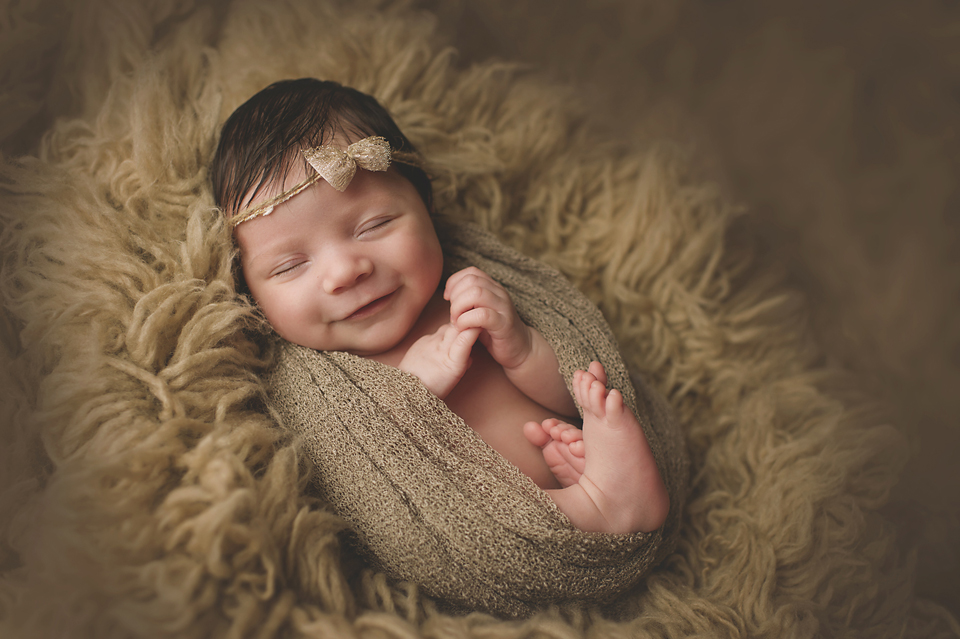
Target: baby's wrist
x=525 y=354
x=436 y=379
x=432 y=384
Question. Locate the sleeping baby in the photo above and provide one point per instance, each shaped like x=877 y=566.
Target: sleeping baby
x=332 y=214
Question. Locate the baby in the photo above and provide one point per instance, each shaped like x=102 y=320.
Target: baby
x=338 y=249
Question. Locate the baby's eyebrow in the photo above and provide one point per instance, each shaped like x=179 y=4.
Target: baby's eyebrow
x=272 y=252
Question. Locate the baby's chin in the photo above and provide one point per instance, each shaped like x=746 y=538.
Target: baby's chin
x=370 y=348
x=374 y=351
x=379 y=339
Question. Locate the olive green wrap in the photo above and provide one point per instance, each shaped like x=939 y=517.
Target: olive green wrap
x=430 y=501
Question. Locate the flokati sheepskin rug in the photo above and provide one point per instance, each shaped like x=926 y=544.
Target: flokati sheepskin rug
x=147 y=488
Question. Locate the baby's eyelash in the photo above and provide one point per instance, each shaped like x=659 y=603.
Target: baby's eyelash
x=376 y=225
x=287 y=269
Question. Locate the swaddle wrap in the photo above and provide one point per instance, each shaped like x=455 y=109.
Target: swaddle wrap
x=429 y=500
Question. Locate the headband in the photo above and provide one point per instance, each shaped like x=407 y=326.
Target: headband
x=336 y=166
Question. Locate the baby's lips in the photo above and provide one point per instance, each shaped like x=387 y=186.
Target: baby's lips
x=365 y=305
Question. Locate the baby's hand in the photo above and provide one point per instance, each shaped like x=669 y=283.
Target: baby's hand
x=440 y=359
x=476 y=301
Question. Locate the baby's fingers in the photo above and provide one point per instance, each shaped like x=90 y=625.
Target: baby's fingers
x=483 y=318
x=469 y=276
x=460 y=345
x=475 y=298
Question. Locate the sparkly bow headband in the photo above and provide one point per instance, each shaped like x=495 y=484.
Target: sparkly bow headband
x=337 y=167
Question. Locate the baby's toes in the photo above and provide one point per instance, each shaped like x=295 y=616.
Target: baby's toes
x=583 y=391
x=596 y=369
x=536 y=434
x=570 y=433
x=555 y=427
x=563 y=432
x=550 y=423
x=614 y=405
x=578 y=449
x=579 y=389
x=597 y=395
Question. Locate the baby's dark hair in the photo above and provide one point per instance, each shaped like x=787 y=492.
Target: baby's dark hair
x=262 y=139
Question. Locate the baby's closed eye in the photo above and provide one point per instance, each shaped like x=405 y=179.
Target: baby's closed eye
x=288 y=268
x=374 y=226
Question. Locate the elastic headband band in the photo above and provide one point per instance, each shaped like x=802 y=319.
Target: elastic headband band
x=337 y=167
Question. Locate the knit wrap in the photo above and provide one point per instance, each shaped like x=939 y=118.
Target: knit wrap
x=430 y=501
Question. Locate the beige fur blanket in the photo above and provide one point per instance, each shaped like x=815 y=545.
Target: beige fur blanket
x=146 y=487
x=430 y=501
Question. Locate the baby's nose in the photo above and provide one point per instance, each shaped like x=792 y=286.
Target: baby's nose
x=345 y=271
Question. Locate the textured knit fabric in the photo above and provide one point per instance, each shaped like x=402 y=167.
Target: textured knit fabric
x=430 y=501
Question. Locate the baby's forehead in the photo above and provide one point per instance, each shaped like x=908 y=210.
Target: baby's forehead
x=368 y=193
x=292 y=168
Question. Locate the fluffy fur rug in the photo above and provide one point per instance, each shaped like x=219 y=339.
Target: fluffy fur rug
x=147 y=490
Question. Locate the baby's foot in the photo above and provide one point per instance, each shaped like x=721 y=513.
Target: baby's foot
x=620 y=489
x=562 y=446
x=562 y=443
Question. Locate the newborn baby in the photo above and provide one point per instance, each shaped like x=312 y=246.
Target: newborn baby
x=331 y=211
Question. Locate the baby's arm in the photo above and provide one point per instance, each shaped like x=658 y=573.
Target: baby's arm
x=440 y=359
x=478 y=302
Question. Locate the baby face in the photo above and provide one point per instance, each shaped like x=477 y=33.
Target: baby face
x=348 y=271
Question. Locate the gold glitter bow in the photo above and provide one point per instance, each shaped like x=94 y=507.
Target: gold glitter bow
x=337 y=167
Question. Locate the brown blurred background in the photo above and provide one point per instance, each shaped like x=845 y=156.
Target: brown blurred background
x=833 y=122
x=836 y=124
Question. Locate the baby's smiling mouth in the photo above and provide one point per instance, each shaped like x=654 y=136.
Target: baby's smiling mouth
x=372 y=308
